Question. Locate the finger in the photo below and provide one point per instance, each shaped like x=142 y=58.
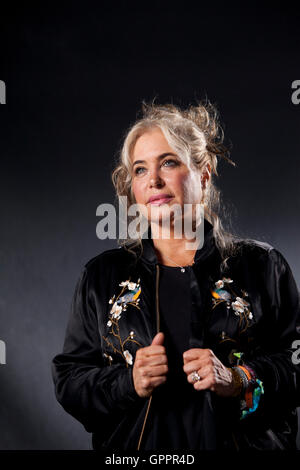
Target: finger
x=158 y=339
x=194 y=365
x=148 y=383
x=154 y=371
x=191 y=354
x=195 y=353
x=203 y=372
x=156 y=381
x=151 y=350
x=191 y=379
x=156 y=360
x=206 y=384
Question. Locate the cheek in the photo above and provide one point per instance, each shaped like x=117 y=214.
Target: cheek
x=180 y=184
x=138 y=191
x=192 y=188
x=173 y=179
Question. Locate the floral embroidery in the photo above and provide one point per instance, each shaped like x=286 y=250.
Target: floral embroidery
x=128 y=357
x=224 y=292
x=129 y=295
x=108 y=357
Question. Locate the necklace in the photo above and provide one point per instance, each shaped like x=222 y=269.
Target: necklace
x=182 y=269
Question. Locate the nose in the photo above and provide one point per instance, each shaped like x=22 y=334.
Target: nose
x=155 y=180
x=156 y=183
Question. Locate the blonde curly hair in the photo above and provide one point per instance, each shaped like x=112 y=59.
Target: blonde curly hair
x=197 y=137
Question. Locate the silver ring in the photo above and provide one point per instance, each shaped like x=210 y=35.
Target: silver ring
x=195 y=377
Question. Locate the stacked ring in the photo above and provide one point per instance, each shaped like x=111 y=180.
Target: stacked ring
x=195 y=376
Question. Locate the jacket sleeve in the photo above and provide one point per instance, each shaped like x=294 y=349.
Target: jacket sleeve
x=274 y=359
x=93 y=393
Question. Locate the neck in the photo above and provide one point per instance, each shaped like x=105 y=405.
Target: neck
x=174 y=248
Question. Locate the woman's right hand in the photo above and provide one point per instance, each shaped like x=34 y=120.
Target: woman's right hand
x=150 y=367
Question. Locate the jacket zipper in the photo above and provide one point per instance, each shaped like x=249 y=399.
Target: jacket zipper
x=157 y=331
x=235 y=441
x=275 y=439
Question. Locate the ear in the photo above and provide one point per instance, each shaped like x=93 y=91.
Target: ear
x=205 y=175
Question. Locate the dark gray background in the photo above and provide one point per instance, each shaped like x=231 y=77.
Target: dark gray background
x=76 y=74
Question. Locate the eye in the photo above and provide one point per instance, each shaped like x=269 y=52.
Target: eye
x=173 y=162
x=137 y=170
x=168 y=162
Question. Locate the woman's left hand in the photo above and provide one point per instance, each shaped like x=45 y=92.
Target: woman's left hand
x=214 y=375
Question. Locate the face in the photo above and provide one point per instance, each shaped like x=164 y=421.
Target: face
x=159 y=178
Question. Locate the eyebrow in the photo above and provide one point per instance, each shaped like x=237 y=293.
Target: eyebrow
x=160 y=157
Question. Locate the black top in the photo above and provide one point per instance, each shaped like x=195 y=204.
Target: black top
x=177 y=403
x=94 y=382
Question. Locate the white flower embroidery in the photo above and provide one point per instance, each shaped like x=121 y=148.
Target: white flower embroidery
x=242 y=301
x=113 y=307
x=128 y=357
x=237 y=307
x=117 y=315
x=235 y=300
x=108 y=357
x=116 y=310
x=219 y=284
x=241 y=306
x=129 y=295
x=131 y=285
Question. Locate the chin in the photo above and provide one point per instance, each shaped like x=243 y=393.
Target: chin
x=160 y=214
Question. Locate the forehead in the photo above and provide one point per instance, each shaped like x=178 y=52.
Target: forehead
x=150 y=145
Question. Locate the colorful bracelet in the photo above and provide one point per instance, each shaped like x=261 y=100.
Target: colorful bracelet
x=252 y=373
x=248 y=387
x=253 y=391
x=257 y=392
x=243 y=376
x=237 y=382
x=249 y=390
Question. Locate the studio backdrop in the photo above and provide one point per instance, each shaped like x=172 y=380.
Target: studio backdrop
x=73 y=77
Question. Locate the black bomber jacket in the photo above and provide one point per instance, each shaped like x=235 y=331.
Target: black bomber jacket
x=115 y=311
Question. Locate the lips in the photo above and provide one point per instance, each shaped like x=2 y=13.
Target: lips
x=160 y=199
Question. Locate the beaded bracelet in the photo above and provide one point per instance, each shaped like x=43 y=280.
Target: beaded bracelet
x=247 y=387
x=252 y=373
x=249 y=390
x=253 y=391
x=237 y=382
x=243 y=376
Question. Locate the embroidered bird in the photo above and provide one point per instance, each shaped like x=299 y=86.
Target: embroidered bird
x=130 y=296
x=221 y=294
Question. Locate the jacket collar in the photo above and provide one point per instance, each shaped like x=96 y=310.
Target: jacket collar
x=149 y=254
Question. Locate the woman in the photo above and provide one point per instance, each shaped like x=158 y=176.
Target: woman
x=170 y=346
